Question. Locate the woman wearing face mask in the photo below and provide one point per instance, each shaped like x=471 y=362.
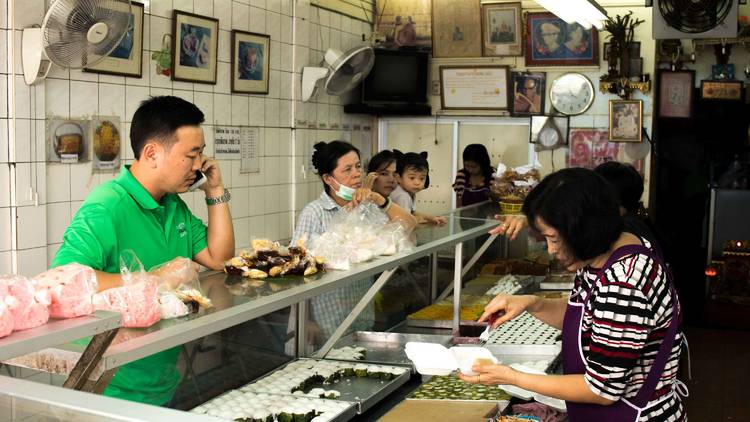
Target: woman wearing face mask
x=338 y=165
x=381 y=173
x=621 y=338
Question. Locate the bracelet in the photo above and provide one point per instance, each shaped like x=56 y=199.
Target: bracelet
x=219 y=199
x=386 y=204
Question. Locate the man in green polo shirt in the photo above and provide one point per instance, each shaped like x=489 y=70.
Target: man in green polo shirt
x=141 y=211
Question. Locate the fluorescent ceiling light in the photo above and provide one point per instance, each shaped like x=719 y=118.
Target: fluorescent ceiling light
x=586 y=12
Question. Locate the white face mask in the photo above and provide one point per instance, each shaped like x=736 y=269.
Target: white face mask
x=344 y=192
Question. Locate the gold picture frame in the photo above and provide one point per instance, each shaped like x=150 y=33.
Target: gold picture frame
x=405 y=23
x=502 y=29
x=625 y=120
x=250 y=62
x=480 y=87
x=456 y=28
x=127 y=58
x=195 y=44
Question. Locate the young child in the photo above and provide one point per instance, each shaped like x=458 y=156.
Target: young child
x=412 y=175
x=472 y=183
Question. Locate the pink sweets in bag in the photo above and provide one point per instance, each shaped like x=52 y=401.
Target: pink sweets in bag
x=137 y=302
x=71 y=288
x=26 y=302
x=6 y=317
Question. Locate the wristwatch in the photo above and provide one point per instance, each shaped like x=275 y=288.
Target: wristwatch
x=216 y=200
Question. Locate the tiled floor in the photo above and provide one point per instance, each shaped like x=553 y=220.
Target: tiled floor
x=720 y=387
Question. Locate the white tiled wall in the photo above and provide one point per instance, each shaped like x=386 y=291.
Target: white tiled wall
x=263 y=205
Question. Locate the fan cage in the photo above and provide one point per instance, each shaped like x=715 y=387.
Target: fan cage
x=694 y=16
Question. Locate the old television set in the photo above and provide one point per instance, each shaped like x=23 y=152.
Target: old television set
x=397 y=84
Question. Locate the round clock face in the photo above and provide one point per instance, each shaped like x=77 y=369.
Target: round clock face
x=571 y=93
x=549 y=137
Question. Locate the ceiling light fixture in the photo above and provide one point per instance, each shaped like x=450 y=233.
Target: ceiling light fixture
x=586 y=13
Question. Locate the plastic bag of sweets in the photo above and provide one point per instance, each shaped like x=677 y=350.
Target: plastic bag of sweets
x=26 y=303
x=6 y=317
x=71 y=288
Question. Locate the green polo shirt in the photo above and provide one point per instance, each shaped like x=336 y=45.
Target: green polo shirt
x=120 y=215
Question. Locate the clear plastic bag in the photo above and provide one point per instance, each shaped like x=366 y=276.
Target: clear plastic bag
x=6 y=317
x=359 y=235
x=137 y=300
x=27 y=304
x=179 y=282
x=71 y=288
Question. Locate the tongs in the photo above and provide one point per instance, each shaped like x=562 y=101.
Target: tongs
x=485 y=336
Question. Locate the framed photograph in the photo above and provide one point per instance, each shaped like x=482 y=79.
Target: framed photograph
x=502 y=29
x=550 y=41
x=625 y=120
x=67 y=140
x=405 y=23
x=456 y=28
x=474 y=87
x=528 y=93
x=127 y=58
x=250 y=62
x=105 y=135
x=675 y=96
x=195 y=41
x=721 y=90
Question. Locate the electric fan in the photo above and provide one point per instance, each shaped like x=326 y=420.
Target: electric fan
x=343 y=71
x=74 y=34
x=695 y=19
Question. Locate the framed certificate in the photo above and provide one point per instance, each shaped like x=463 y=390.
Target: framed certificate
x=474 y=87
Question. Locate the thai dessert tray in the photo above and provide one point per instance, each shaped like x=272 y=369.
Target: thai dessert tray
x=382 y=347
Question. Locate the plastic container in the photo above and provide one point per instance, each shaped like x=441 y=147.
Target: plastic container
x=436 y=359
x=528 y=395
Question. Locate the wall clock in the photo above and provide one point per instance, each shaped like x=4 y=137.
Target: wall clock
x=571 y=93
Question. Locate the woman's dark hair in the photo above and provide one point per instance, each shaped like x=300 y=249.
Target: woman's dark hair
x=158 y=118
x=413 y=161
x=381 y=160
x=627 y=182
x=581 y=206
x=326 y=156
x=478 y=154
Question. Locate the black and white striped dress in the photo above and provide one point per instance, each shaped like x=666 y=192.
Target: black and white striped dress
x=623 y=325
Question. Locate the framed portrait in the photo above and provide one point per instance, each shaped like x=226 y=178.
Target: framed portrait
x=550 y=41
x=405 y=23
x=127 y=58
x=195 y=42
x=625 y=120
x=456 y=28
x=502 y=29
x=250 y=62
x=528 y=93
x=721 y=90
x=474 y=87
x=675 y=96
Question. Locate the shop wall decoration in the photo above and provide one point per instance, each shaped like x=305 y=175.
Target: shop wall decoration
x=250 y=62
x=106 y=140
x=528 y=93
x=126 y=59
x=721 y=90
x=625 y=120
x=474 y=87
x=405 y=23
x=502 y=29
x=550 y=41
x=195 y=41
x=675 y=96
x=67 y=140
x=591 y=147
x=456 y=29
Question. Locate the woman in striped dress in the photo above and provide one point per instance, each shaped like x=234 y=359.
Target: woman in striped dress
x=621 y=337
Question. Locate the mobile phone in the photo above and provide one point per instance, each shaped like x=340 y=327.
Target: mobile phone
x=200 y=179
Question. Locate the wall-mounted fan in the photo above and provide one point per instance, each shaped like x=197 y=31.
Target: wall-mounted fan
x=695 y=19
x=74 y=34
x=342 y=71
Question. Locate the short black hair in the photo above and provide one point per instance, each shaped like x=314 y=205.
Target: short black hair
x=627 y=182
x=327 y=154
x=581 y=206
x=413 y=161
x=478 y=154
x=158 y=118
x=381 y=160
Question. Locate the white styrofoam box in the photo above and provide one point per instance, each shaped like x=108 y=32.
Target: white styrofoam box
x=58 y=214
x=223 y=78
x=257 y=20
x=161 y=8
x=223 y=12
x=84 y=98
x=240 y=16
x=240 y=110
x=528 y=395
x=112 y=100
x=5 y=227
x=28 y=225
x=436 y=359
x=185 y=5
x=204 y=8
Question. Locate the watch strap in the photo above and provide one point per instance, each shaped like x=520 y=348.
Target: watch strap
x=216 y=200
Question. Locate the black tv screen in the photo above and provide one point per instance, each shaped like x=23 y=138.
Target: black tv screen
x=397 y=77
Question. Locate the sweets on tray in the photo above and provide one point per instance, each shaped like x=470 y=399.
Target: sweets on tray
x=452 y=388
x=514 y=266
x=271 y=259
x=472 y=308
